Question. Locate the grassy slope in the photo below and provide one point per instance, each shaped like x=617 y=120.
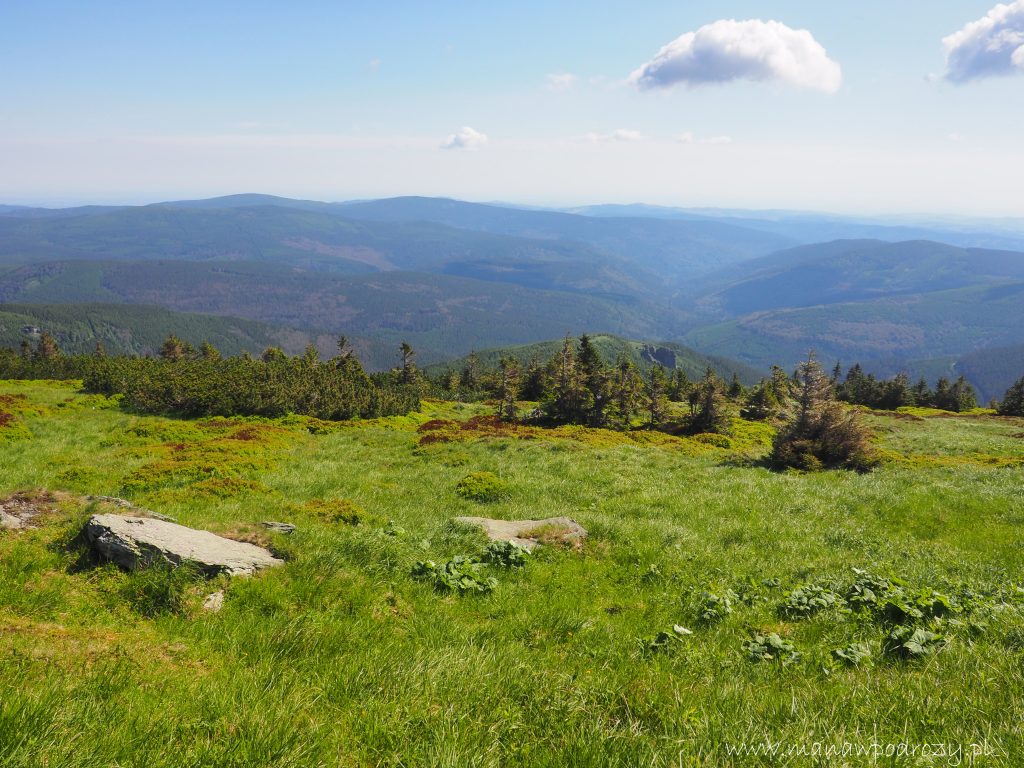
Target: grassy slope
x=339 y=658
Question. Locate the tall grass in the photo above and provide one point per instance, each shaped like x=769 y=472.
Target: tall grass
x=340 y=658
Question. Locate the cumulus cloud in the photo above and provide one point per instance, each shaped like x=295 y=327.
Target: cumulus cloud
x=561 y=82
x=993 y=45
x=729 y=50
x=465 y=138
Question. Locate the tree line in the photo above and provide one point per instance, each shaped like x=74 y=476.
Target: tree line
x=190 y=382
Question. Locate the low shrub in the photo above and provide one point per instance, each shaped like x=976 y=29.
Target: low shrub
x=483 y=487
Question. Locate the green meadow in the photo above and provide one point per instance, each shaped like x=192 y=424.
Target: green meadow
x=578 y=658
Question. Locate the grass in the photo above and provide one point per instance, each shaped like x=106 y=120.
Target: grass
x=341 y=658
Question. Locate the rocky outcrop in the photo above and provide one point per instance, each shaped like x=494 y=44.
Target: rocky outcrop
x=135 y=542
x=530 y=533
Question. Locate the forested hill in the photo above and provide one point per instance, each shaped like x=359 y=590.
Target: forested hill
x=140 y=330
x=643 y=354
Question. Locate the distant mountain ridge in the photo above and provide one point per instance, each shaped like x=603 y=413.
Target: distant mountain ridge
x=451 y=276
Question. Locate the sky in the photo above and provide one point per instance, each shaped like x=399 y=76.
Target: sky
x=866 y=108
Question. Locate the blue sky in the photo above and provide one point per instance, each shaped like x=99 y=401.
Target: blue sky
x=134 y=102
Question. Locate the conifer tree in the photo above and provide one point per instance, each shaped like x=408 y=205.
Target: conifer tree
x=679 y=386
x=273 y=354
x=760 y=404
x=470 y=378
x=657 y=396
x=595 y=381
x=508 y=388
x=173 y=348
x=47 y=348
x=711 y=415
x=408 y=374
x=567 y=390
x=1013 y=401
x=534 y=381
x=100 y=350
x=735 y=388
x=208 y=352
x=820 y=433
x=626 y=388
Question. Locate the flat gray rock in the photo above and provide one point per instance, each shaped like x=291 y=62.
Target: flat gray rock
x=277 y=527
x=527 y=533
x=135 y=542
x=13 y=522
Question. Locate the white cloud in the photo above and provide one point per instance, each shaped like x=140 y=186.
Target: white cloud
x=373 y=65
x=993 y=45
x=729 y=50
x=717 y=140
x=561 y=82
x=686 y=137
x=618 y=135
x=465 y=138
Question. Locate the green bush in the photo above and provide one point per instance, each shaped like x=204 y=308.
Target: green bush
x=506 y=554
x=482 y=487
x=460 y=574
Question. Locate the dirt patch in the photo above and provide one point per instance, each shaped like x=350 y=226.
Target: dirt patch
x=22 y=509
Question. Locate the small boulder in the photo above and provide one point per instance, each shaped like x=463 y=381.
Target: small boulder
x=278 y=527
x=135 y=542
x=530 y=533
x=214 y=601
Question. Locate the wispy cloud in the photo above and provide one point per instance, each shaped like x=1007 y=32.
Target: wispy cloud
x=561 y=82
x=465 y=138
x=730 y=50
x=992 y=45
x=618 y=135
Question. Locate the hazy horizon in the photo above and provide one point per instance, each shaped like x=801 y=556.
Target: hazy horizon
x=744 y=105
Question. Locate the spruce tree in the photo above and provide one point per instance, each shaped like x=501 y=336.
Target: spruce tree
x=173 y=348
x=1013 y=401
x=208 y=352
x=820 y=433
x=711 y=415
x=735 y=388
x=596 y=382
x=567 y=396
x=626 y=388
x=47 y=348
x=657 y=396
x=508 y=388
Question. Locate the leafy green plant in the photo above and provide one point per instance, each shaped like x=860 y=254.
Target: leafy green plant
x=482 y=486
x=907 y=643
x=808 y=600
x=460 y=574
x=665 y=641
x=716 y=607
x=771 y=647
x=506 y=554
x=869 y=591
x=852 y=655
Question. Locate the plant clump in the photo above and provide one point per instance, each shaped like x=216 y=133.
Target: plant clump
x=771 y=647
x=482 y=487
x=461 y=574
x=506 y=554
